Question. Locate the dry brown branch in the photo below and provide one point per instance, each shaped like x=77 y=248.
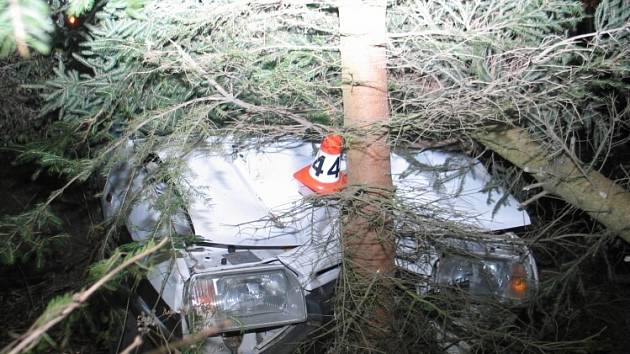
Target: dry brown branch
x=29 y=339
x=263 y=109
x=228 y=97
x=545 y=54
x=533 y=199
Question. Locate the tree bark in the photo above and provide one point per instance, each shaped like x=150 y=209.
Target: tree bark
x=364 y=76
x=590 y=191
x=367 y=233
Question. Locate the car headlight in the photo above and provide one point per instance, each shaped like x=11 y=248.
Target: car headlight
x=507 y=273
x=243 y=299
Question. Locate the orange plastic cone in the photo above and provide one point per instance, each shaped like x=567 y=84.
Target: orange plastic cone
x=324 y=175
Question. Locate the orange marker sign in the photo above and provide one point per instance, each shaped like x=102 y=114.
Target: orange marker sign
x=324 y=175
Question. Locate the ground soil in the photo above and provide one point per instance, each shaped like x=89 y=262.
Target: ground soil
x=25 y=288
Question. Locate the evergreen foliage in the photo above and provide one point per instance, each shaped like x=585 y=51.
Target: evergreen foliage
x=79 y=7
x=612 y=14
x=28 y=236
x=460 y=68
x=187 y=69
x=176 y=72
x=119 y=256
x=24 y=24
x=54 y=308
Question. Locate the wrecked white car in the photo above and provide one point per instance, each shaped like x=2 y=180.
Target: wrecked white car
x=266 y=258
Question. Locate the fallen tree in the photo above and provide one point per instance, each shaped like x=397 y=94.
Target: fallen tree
x=368 y=237
x=565 y=176
x=184 y=71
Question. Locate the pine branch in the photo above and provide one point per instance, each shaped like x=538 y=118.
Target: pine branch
x=62 y=308
x=612 y=14
x=79 y=7
x=24 y=24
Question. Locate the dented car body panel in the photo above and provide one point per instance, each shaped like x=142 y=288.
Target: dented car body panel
x=248 y=212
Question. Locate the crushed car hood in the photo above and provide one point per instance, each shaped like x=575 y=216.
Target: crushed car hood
x=247 y=196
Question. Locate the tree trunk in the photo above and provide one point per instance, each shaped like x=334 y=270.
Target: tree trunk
x=367 y=232
x=592 y=192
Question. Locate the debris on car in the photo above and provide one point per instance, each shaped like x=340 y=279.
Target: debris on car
x=266 y=258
